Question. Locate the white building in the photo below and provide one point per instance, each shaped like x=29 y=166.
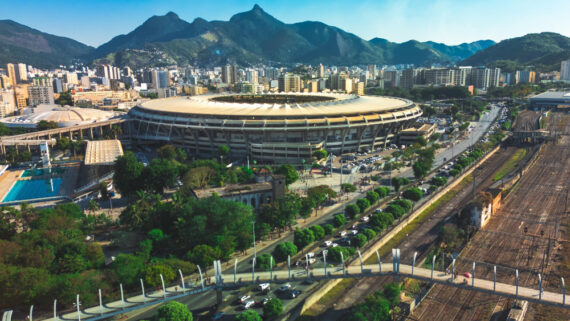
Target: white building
x=565 y=70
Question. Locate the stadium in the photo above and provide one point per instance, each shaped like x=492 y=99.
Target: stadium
x=272 y=128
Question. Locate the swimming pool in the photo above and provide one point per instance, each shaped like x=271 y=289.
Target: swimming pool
x=42 y=171
x=33 y=188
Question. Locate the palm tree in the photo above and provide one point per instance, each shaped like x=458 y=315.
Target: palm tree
x=93 y=206
x=116 y=130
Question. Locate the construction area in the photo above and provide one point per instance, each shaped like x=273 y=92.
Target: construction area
x=528 y=233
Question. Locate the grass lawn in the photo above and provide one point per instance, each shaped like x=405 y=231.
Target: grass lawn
x=511 y=164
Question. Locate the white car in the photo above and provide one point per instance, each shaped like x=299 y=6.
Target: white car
x=334 y=245
x=310 y=254
x=248 y=304
x=343 y=233
x=328 y=243
x=365 y=219
x=264 y=287
x=353 y=232
x=244 y=298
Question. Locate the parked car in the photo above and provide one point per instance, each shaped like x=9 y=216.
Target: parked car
x=244 y=298
x=285 y=287
x=248 y=304
x=264 y=287
x=293 y=293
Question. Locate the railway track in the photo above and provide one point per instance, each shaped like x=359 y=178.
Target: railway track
x=538 y=203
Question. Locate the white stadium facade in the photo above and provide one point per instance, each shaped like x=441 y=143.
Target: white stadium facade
x=272 y=128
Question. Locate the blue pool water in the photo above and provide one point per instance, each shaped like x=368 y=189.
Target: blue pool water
x=33 y=188
x=42 y=171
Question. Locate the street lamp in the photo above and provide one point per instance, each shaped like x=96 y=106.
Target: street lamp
x=254 y=248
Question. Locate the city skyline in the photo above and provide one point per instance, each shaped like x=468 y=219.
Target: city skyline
x=396 y=21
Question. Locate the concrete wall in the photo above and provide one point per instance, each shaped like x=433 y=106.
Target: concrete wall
x=371 y=250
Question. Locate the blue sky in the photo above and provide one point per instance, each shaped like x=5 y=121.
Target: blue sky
x=95 y=22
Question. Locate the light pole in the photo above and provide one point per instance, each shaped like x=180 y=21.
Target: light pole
x=254 y=248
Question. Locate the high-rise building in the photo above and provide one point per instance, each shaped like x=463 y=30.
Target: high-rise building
x=57 y=85
x=461 y=76
x=42 y=81
x=252 y=76
x=70 y=78
x=7 y=103
x=163 y=79
x=321 y=71
x=11 y=74
x=346 y=85
x=372 y=71
x=525 y=76
x=5 y=82
x=565 y=70
x=289 y=83
x=335 y=81
x=21 y=73
x=494 y=77
x=40 y=95
x=85 y=82
x=127 y=71
x=439 y=76
x=480 y=77
x=229 y=74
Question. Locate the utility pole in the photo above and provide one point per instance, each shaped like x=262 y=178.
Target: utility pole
x=254 y=248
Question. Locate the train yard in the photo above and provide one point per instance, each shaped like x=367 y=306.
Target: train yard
x=527 y=233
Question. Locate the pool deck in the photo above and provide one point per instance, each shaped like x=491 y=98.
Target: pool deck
x=7 y=180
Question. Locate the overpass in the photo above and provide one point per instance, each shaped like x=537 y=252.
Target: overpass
x=227 y=281
x=83 y=131
x=531 y=136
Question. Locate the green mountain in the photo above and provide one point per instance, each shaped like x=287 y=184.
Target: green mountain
x=255 y=36
x=544 y=50
x=19 y=43
x=462 y=51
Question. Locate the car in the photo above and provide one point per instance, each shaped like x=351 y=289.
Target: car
x=262 y=302
x=264 y=287
x=378 y=211
x=244 y=298
x=365 y=219
x=328 y=243
x=248 y=304
x=310 y=254
x=353 y=232
x=293 y=293
x=285 y=287
x=334 y=245
x=342 y=234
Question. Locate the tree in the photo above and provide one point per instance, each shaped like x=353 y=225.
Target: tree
x=360 y=240
x=203 y=255
x=263 y=261
x=438 y=181
x=374 y=308
x=392 y=293
x=329 y=229
x=403 y=203
x=352 y=210
x=339 y=220
x=291 y=175
x=398 y=182
x=334 y=253
x=307 y=206
x=372 y=197
x=370 y=234
x=248 y=315
x=321 y=193
x=348 y=188
x=62 y=143
x=320 y=154
x=273 y=308
x=167 y=152
x=363 y=204
x=93 y=206
x=318 y=231
x=421 y=169
x=64 y=99
x=128 y=269
x=159 y=174
x=382 y=191
x=198 y=177
x=303 y=237
x=174 y=311
x=152 y=274
x=283 y=250
x=223 y=150
x=453 y=172
x=44 y=125
x=395 y=210
x=127 y=174
x=413 y=193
